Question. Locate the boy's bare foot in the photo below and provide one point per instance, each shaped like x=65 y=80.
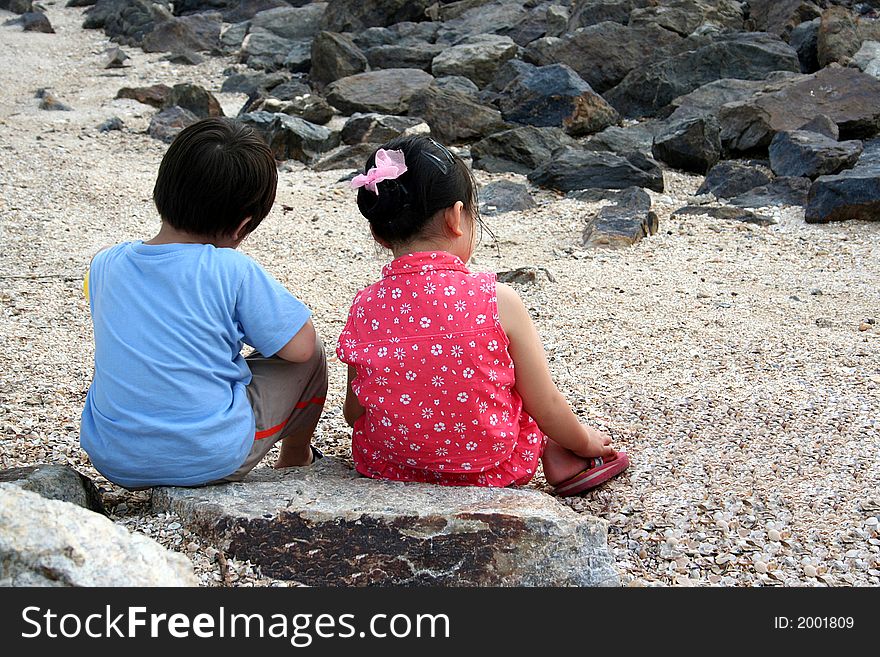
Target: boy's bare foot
x=292 y=457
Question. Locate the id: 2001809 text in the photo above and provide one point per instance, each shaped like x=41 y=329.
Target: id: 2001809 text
x=813 y=623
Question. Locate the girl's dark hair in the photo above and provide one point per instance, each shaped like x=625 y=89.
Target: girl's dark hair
x=435 y=179
x=216 y=173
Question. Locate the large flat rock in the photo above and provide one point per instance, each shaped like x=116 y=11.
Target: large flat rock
x=327 y=525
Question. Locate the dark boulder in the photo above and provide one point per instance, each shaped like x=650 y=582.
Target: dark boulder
x=334 y=56
x=156 y=95
x=519 y=150
x=292 y=138
x=387 y=91
x=129 y=21
x=455 y=116
x=628 y=220
x=780 y=191
x=351 y=157
x=282 y=37
x=692 y=144
x=50 y=102
x=184 y=58
x=748 y=56
x=709 y=98
x=634 y=138
x=457 y=83
x=838 y=38
x=194 y=98
x=573 y=168
x=115 y=58
x=805 y=40
x=168 y=123
x=824 y=126
x=605 y=53
x=477 y=59
x=732 y=178
x=56 y=482
x=310 y=107
x=555 y=96
x=413 y=55
x=379 y=128
x=111 y=124
x=356 y=15
x=500 y=17
x=33 y=21
x=584 y=13
x=199 y=32
x=685 y=16
x=725 y=212
x=505 y=196
x=809 y=154
x=17 y=6
x=780 y=17
x=242 y=10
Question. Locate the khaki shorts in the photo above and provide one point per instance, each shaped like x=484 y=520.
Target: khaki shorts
x=285 y=396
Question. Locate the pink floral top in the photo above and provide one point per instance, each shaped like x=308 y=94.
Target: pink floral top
x=436 y=379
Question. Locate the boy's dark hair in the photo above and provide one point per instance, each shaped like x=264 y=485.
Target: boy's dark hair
x=435 y=179
x=216 y=173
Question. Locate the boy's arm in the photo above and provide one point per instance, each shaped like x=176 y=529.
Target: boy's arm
x=352 y=408
x=301 y=346
x=541 y=398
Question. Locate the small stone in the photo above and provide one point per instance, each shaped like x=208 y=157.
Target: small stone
x=115 y=58
x=810 y=571
x=864 y=326
x=760 y=567
x=816 y=292
x=113 y=123
x=773 y=535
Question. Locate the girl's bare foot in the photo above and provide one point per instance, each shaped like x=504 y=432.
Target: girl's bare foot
x=561 y=464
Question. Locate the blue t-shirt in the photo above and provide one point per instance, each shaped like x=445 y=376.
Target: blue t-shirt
x=168 y=402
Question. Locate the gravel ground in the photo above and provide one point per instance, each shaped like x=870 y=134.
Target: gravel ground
x=738 y=365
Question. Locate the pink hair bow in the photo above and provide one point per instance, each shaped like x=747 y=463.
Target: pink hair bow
x=389 y=166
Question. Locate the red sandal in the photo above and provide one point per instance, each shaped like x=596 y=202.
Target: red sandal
x=597 y=472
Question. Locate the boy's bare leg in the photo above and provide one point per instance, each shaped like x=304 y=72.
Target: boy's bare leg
x=296 y=447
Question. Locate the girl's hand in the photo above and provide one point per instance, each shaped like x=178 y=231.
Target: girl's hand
x=597 y=444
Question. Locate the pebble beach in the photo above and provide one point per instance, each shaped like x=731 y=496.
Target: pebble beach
x=737 y=364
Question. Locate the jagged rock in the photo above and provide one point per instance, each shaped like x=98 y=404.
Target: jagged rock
x=327 y=526
x=627 y=221
x=33 y=21
x=299 y=57
x=244 y=10
x=731 y=178
x=194 y=98
x=519 y=150
x=838 y=38
x=196 y=32
x=379 y=128
x=185 y=58
x=405 y=33
x=277 y=33
x=454 y=116
x=635 y=138
x=506 y=73
x=685 y=16
x=289 y=90
x=499 y=17
x=457 y=83
x=780 y=17
x=584 y=13
x=867 y=59
x=349 y=157
x=805 y=40
x=574 y=168
x=50 y=102
x=156 y=95
x=555 y=96
x=605 y=53
x=387 y=91
x=113 y=123
x=852 y=194
x=725 y=212
x=116 y=58
x=17 y=6
x=525 y=276
x=356 y=15
x=292 y=138
x=335 y=56
x=310 y=107
x=540 y=21
x=824 y=126
x=166 y=125
x=780 y=191
x=847 y=96
x=47 y=542
x=748 y=56
x=55 y=482
x=477 y=60
x=709 y=98
x=129 y=21
x=504 y=196
x=413 y=55
x=692 y=144
x=232 y=37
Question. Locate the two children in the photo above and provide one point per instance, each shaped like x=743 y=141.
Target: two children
x=448 y=381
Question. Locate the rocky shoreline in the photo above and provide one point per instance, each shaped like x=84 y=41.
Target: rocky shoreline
x=732 y=350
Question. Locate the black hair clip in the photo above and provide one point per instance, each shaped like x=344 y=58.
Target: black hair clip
x=436 y=161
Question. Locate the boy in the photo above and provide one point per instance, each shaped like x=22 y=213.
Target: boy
x=172 y=401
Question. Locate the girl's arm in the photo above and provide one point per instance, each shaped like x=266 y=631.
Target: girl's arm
x=352 y=408
x=541 y=398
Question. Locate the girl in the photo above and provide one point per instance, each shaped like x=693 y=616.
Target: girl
x=448 y=382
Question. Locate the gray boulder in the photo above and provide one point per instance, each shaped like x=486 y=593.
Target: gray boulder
x=156 y=95
x=457 y=83
x=253 y=81
x=498 y=17
x=555 y=96
x=335 y=56
x=726 y=213
x=454 y=116
x=805 y=40
x=852 y=194
x=519 y=150
x=50 y=102
x=867 y=59
x=838 y=38
x=129 y=21
x=709 y=98
x=378 y=128
x=47 y=542
x=692 y=144
x=327 y=526
x=412 y=55
x=387 y=91
x=17 y=6
x=167 y=124
x=605 y=53
x=809 y=154
x=309 y=107
x=478 y=59
x=115 y=58
x=196 y=32
x=732 y=178
x=351 y=157
x=275 y=34
x=634 y=138
x=505 y=196
x=56 y=482
x=291 y=137
x=685 y=16
x=780 y=17
x=623 y=223
x=747 y=56
x=356 y=15
x=33 y=21
x=584 y=13
x=824 y=126
x=238 y=11
x=780 y=191
x=573 y=168
x=194 y=98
